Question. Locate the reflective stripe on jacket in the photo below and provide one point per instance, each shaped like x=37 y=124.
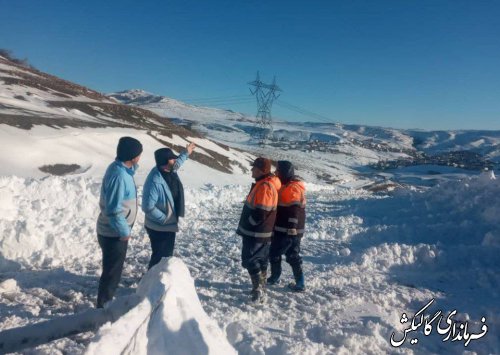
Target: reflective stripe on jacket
x=259 y=212
x=291 y=213
x=118 y=201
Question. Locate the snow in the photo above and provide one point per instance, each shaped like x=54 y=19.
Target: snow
x=93 y=149
x=367 y=259
x=484 y=142
x=170 y=319
x=5 y=67
x=426 y=174
x=37 y=103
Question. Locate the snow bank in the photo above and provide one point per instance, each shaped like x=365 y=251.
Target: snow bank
x=48 y=222
x=445 y=240
x=451 y=231
x=453 y=213
x=170 y=319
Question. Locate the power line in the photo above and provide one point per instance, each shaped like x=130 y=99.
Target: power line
x=304 y=111
x=214 y=97
x=219 y=101
x=266 y=94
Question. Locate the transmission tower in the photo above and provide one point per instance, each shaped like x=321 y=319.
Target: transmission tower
x=265 y=95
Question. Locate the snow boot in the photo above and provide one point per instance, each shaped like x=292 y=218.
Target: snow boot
x=257 y=293
x=299 y=284
x=275 y=274
x=263 y=279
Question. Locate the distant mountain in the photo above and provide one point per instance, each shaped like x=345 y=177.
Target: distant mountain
x=324 y=151
x=216 y=123
x=486 y=143
x=168 y=107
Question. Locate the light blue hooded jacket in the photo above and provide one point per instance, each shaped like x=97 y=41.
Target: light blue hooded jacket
x=118 y=201
x=157 y=201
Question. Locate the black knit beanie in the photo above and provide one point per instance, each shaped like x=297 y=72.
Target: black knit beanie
x=163 y=155
x=285 y=170
x=128 y=148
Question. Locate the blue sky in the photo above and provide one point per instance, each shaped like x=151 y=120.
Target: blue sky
x=426 y=64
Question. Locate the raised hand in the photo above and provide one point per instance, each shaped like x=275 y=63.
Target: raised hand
x=190 y=147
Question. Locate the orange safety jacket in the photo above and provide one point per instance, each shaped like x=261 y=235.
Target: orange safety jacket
x=291 y=213
x=259 y=212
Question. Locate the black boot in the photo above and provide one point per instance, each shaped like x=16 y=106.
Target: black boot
x=257 y=292
x=275 y=274
x=263 y=280
x=298 y=275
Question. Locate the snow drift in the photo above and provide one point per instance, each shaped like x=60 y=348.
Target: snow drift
x=169 y=320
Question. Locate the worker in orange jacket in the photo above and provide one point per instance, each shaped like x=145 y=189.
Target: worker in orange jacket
x=257 y=224
x=289 y=228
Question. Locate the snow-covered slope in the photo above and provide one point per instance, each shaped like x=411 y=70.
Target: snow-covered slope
x=485 y=142
x=46 y=121
x=175 y=109
x=88 y=152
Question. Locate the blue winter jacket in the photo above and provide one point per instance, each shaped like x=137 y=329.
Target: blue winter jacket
x=157 y=201
x=118 y=201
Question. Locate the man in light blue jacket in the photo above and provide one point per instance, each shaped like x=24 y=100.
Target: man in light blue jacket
x=118 y=204
x=163 y=202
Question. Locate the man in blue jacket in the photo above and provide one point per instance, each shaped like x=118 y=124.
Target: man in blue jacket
x=163 y=202
x=118 y=204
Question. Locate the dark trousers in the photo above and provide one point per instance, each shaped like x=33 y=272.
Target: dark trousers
x=162 y=245
x=290 y=246
x=114 y=251
x=254 y=255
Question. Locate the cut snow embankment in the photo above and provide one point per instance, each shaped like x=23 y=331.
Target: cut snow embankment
x=169 y=320
x=446 y=241
x=47 y=223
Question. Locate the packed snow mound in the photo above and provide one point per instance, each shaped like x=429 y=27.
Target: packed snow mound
x=451 y=232
x=169 y=320
x=51 y=222
x=42 y=220
x=452 y=213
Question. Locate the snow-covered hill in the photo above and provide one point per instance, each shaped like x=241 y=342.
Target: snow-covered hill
x=50 y=125
x=175 y=109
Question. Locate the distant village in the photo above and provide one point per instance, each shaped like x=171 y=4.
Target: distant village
x=332 y=145
x=458 y=159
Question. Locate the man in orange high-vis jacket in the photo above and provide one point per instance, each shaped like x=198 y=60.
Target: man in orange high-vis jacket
x=257 y=224
x=289 y=228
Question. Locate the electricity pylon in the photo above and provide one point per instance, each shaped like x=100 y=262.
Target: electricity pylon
x=265 y=95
